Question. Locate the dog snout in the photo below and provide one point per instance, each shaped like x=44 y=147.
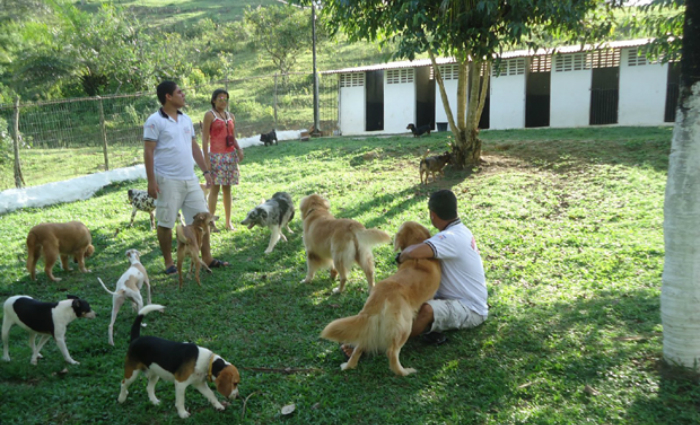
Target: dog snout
x=90 y=314
x=233 y=394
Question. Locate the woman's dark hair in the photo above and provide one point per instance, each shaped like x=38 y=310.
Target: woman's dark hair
x=216 y=94
x=444 y=204
x=166 y=87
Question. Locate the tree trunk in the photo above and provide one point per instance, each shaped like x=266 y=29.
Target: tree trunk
x=19 y=178
x=680 y=292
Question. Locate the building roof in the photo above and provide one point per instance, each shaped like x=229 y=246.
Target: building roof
x=506 y=55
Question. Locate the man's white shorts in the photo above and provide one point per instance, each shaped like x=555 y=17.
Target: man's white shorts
x=175 y=195
x=452 y=314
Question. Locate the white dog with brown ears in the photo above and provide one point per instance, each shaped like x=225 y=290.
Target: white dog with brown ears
x=337 y=242
x=128 y=287
x=184 y=364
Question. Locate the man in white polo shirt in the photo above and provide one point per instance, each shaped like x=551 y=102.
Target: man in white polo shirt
x=460 y=302
x=170 y=153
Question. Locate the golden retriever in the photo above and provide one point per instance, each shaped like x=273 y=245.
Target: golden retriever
x=338 y=242
x=56 y=240
x=384 y=323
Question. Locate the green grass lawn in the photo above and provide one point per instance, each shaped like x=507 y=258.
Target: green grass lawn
x=569 y=224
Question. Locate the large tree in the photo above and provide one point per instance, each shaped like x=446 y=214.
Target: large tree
x=680 y=294
x=474 y=32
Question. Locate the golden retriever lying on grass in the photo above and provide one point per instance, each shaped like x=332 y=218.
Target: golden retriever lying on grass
x=340 y=242
x=384 y=323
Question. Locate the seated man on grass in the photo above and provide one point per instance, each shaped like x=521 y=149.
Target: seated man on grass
x=460 y=302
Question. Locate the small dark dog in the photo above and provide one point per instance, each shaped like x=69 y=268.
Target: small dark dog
x=418 y=131
x=433 y=165
x=269 y=138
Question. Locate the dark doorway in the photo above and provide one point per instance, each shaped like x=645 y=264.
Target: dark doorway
x=537 y=99
x=672 y=87
x=425 y=98
x=605 y=95
x=484 y=121
x=374 y=86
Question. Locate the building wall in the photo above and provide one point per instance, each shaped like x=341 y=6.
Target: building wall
x=352 y=108
x=642 y=89
x=570 y=97
x=449 y=76
x=399 y=99
x=507 y=105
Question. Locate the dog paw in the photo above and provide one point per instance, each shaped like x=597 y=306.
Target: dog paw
x=344 y=366
x=337 y=290
x=305 y=280
x=122 y=396
x=33 y=362
x=155 y=401
x=39 y=356
x=184 y=414
x=56 y=279
x=73 y=362
x=267 y=251
x=219 y=407
x=6 y=358
x=408 y=371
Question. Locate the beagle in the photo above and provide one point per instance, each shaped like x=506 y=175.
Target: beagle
x=128 y=286
x=47 y=319
x=184 y=364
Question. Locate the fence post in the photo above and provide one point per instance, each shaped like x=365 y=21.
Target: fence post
x=104 y=132
x=275 y=101
x=19 y=179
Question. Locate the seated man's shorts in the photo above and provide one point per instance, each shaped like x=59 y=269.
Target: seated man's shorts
x=175 y=195
x=452 y=314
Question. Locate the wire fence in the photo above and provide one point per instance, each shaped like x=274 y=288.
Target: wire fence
x=98 y=133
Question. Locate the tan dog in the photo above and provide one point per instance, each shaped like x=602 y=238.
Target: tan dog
x=433 y=165
x=189 y=244
x=384 y=323
x=338 y=242
x=66 y=240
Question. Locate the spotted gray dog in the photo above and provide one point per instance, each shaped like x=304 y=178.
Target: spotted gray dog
x=140 y=200
x=274 y=213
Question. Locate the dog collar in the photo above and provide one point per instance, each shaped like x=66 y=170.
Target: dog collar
x=309 y=212
x=211 y=364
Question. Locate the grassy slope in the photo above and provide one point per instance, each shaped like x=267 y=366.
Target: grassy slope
x=569 y=223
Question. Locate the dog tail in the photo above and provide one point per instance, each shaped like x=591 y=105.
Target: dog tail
x=348 y=329
x=425 y=155
x=180 y=235
x=33 y=251
x=371 y=237
x=136 y=327
x=104 y=286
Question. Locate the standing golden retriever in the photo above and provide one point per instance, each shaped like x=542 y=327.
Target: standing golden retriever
x=56 y=240
x=340 y=242
x=384 y=323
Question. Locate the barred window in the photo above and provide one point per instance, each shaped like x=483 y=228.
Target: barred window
x=572 y=62
x=541 y=64
x=399 y=76
x=449 y=72
x=605 y=58
x=638 y=57
x=510 y=67
x=354 y=79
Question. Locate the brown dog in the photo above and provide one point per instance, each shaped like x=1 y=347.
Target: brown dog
x=340 y=242
x=384 y=323
x=433 y=165
x=189 y=244
x=66 y=240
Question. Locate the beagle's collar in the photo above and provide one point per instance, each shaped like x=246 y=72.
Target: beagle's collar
x=211 y=364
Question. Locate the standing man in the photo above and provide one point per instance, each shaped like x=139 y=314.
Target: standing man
x=460 y=302
x=170 y=152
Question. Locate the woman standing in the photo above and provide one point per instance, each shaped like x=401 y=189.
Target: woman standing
x=221 y=150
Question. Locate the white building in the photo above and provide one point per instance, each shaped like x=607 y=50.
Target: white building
x=612 y=83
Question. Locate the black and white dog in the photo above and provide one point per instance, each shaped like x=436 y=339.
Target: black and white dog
x=275 y=214
x=140 y=200
x=183 y=364
x=47 y=319
x=269 y=138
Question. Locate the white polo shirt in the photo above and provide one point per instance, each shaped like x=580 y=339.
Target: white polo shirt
x=173 y=154
x=463 y=276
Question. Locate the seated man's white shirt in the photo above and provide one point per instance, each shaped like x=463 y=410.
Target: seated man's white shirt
x=173 y=154
x=463 y=276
